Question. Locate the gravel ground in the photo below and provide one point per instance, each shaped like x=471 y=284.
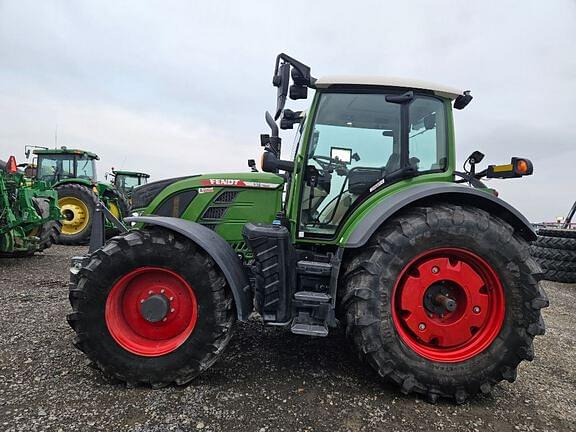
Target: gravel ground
x=268 y=380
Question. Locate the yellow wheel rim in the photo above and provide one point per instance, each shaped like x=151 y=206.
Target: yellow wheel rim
x=75 y=213
x=114 y=210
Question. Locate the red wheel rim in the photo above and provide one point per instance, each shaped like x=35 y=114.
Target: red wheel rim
x=125 y=319
x=426 y=287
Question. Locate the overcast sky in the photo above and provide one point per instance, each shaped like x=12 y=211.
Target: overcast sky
x=180 y=87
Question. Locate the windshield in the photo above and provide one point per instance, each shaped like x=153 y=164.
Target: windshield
x=355 y=143
x=62 y=166
x=129 y=182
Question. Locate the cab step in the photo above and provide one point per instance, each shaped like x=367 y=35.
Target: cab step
x=314 y=268
x=302 y=326
x=312 y=297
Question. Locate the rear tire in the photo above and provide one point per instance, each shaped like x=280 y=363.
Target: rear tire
x=78 y=206
x=557 y=232
x=150 y=357
x=555 y=251
x=375 y=318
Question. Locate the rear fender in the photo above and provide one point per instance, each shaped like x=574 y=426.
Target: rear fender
x=218 y=249
x=431 y=193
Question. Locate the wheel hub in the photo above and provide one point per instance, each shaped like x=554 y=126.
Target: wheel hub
x=448 y=305
x=439 y=298
x=75 y=213
x=155 y=308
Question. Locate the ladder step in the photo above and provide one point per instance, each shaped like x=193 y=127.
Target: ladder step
x=311 y=296
x=309 y=329
x=314 y=267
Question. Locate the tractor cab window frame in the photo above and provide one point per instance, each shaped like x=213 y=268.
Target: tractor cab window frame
x=368 y=128
x=64 y=166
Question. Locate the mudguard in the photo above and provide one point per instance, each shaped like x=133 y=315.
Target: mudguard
x=218 y=249
x=431 y=193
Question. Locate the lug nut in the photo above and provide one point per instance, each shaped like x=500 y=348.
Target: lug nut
x=162 y=291
x=164 y=319
x=171 y=298
x=172 y=310
x=421 y=326
x=435 y=269
x=150 y=292
x=476 y=309
x=142 y=301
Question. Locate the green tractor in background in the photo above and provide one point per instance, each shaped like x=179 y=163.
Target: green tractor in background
x=368 y=226
x=72 y=173
x=125 y=181
x=29 y=216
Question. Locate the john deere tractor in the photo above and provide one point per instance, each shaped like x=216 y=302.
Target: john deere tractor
x=73 y=174
x=125 y=181
x=369 y=226
x=29 y=216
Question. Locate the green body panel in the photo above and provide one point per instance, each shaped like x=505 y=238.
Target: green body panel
x=258 y=199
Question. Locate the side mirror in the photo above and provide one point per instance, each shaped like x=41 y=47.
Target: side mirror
x=282 y=81
x=463 y=100
x=299 y=90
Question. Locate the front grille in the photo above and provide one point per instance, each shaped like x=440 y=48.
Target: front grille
x=214 y=213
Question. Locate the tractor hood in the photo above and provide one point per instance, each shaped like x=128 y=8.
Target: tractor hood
x=152 y=194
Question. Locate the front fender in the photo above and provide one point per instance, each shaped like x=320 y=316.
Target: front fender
x=218 y=249
x=430 y=193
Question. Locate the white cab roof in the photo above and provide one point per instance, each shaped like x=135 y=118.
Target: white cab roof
x=440 y=90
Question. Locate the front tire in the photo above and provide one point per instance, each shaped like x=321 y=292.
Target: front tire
x=395 y=291
x=151 y=308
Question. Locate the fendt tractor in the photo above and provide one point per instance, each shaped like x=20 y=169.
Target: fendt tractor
x=29 y=216
x=73 y=174
x=369 y=226
x=125 y=181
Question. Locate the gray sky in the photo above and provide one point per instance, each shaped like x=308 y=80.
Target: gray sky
x=180 y=87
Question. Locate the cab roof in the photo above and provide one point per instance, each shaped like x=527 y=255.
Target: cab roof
x=130 y=173
x=360 y=80
x=63 y=151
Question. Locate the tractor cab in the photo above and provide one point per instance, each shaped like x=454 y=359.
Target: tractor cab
x=363 y=138
x=126 y=181
x=56 y=165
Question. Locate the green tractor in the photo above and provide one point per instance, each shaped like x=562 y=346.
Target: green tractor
x=29 y=216
x=369 y=226
x=125 y=181
x=72 y=173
